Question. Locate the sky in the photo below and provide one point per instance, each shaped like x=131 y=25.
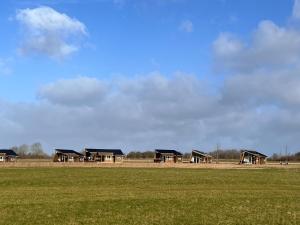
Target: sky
x=146 y=74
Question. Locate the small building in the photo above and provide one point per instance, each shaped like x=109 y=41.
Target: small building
x=252 y=157
x=167 y=156
x=8 y=155
x=66 y=155
x=200 y=157
x=104 y=155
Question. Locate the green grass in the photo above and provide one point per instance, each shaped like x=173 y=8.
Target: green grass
x=149 y=196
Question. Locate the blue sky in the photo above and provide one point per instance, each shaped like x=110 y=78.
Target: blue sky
x=133 y=37
x=85 y=65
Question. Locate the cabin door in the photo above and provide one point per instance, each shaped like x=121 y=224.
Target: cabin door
x=64 y=158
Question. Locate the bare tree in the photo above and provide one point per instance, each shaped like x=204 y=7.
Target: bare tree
x=37 y=151
x=22 y=150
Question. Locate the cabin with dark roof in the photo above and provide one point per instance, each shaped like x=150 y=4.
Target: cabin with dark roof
x=200 y=157
x=252 y=157
x=8 y=155
x=67 y=155
x=104 y=155
x=167 y=156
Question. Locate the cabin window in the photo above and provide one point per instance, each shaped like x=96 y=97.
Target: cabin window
x=169 y=157
x=1 y=158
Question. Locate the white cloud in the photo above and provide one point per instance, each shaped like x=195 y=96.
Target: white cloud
x=227 y=47
x=296 y=9
x=264 y=88
x=78 y=91
x=186 y=26
x=49 y=32
x=271 y=46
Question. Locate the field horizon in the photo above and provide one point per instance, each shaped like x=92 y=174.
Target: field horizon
x=147 y=163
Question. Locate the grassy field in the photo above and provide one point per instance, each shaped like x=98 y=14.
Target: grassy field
x=149 y=196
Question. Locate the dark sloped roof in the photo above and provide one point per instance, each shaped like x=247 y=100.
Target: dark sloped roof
x=114 y=151
x=68 y=151
x=254 y=153
x=8 y=152
x=167 y=151
x=201 y=153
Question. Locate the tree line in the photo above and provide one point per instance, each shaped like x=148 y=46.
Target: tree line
x=226 y=154
x=217 y=154
x=288 y=157
x=34 y=151
x=141 y=155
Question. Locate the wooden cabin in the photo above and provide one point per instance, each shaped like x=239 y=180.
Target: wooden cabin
x=66 y=155
x=167 y=156
x=252 y=157
x=200 y=157
x=8 y=155
x=104 y=155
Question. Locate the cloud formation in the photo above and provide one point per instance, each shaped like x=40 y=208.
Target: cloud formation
x=271 y=46
x=49 y=32
x=153 y=111
x=138 y=113
x=78 y=91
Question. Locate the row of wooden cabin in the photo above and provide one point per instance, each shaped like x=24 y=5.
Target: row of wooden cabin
x=173 y=156
x=161 y=156
x=116 y=155
x=90 y=155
